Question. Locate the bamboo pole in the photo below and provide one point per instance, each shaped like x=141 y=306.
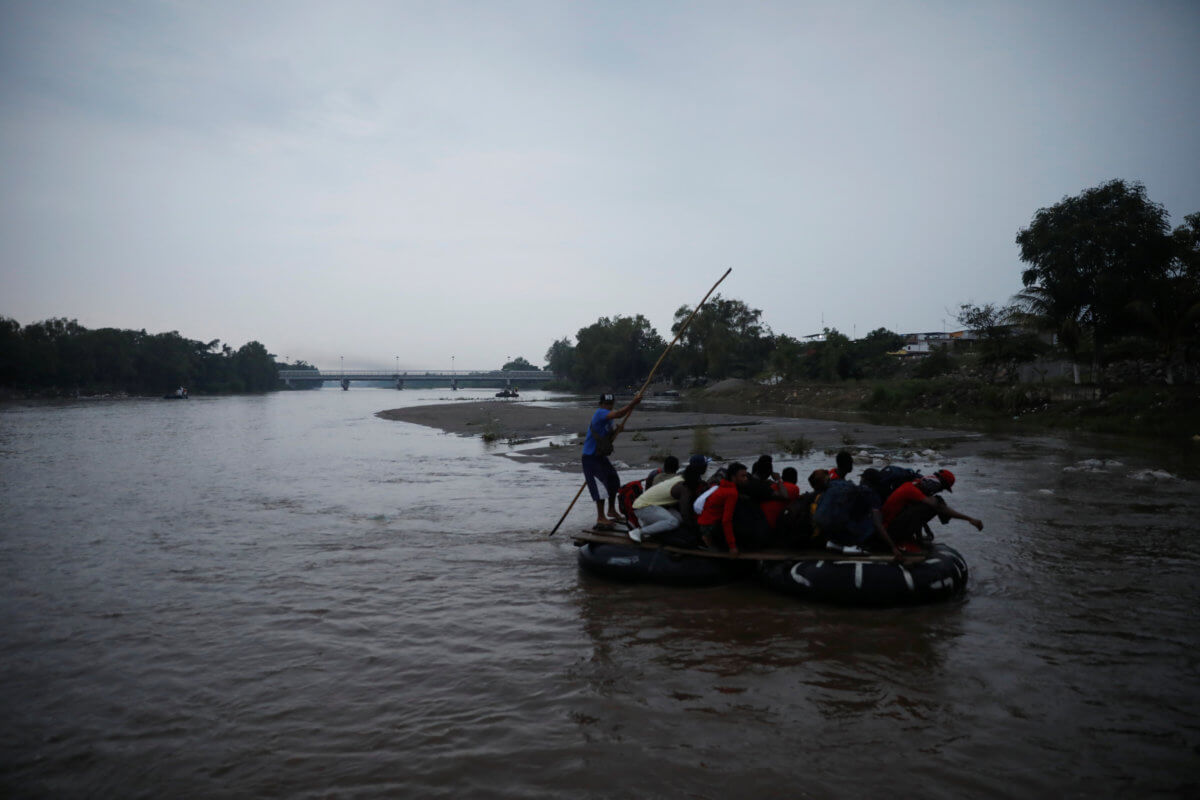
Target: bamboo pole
x=649 y=378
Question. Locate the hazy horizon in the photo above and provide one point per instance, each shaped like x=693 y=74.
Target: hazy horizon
x=370 y=180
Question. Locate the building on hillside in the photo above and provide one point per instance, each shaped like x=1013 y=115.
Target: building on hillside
x=922 y=344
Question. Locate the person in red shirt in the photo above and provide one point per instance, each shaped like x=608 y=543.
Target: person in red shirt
x=717 y=514
x=845 y=465
x=785 y=486
x=913 y=504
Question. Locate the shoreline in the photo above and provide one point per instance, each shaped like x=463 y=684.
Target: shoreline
x=516 y=429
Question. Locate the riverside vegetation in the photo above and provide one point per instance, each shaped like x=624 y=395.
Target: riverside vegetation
x=60 y=357
x=1104 y=336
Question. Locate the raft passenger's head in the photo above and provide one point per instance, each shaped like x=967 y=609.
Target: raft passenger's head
x=737 y=473
x=946 y=477
x=819 y=480
x=762 y=468
x=930 y=486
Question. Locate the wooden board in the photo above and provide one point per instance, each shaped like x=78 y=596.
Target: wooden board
x=598 y=537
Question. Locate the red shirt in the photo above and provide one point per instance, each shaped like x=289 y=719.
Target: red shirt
x=906 y=494
x=773 y=508
x=719 y=508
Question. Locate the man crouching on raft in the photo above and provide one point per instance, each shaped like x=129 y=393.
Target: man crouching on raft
x=596 y=466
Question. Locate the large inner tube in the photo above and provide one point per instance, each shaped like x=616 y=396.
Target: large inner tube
x=622 y=563
x=941 y=576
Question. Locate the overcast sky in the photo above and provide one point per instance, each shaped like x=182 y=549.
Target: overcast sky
x=477 y=179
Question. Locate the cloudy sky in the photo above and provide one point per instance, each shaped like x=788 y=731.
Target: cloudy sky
x=476 y=179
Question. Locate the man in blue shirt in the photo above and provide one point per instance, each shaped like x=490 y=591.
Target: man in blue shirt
x=596 y=466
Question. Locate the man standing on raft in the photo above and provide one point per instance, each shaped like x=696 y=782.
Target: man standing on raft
x=596 y=449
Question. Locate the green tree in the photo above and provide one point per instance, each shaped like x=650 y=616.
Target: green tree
x=255 y=367
x=13 y=354
x=615 y=352
x=518 y=363
x=61 y=354
x=786 y=357
x=1091 y=254
x=164 y=362
x=726 y=339
x=871 y=356
x=829 y=360
x=1168 y=312
x=560 y=358
x=1001 y=340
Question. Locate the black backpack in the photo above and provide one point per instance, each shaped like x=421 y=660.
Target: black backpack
x=893 y=477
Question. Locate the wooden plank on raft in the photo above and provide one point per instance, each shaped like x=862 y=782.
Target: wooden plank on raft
x=597 y=537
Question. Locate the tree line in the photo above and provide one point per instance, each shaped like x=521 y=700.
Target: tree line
x=1105 y=279
x=726 y=339
x=62 y=356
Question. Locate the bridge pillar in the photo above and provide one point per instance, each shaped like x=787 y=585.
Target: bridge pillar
x=399 y=383
x=345 y=384
x=454 y=384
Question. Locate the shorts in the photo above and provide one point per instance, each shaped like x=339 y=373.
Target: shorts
x=599 y=468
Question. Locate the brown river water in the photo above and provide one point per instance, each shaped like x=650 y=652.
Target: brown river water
x=286 y=596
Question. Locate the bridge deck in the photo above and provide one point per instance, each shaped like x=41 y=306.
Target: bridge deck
x=528 y=376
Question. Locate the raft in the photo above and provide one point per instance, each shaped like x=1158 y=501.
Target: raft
x=869 y=579
x=632 y=563
x=941 y=575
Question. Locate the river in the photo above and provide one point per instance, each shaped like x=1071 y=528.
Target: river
x=286 y=596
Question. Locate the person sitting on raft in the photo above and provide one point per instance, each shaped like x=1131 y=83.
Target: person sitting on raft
x=716 y=516
x=657 y=510
x=669 y=469
x=686 y=492
x=761 y=484
x=786 y=490
x=764 y=468
x=793 y=525
x=848 y=516
x=845 y=465
x=596 y=466
x=909 y=509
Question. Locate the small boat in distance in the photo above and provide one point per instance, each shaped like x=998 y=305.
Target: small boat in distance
x=509 y=391
x=179 y=394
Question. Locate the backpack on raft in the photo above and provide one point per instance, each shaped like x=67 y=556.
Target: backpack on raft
x=892 y=478
x=625 y=497
x=843 y=512
x=793 y=526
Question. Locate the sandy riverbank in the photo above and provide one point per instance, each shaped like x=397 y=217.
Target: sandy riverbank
x=653 y=433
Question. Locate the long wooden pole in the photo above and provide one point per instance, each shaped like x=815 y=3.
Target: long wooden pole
x=649 y=378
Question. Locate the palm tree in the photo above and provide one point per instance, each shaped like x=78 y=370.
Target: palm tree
x=1055 y=312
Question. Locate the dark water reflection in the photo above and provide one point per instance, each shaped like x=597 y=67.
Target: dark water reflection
x=285 y=597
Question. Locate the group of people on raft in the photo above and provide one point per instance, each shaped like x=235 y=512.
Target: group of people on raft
x=754 y=508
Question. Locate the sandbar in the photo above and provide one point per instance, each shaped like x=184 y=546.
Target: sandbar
x=553 y=434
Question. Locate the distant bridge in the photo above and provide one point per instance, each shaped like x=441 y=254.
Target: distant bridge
x=432 y=377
